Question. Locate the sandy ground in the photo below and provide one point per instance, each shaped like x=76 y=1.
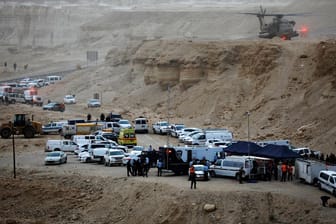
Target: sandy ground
x=216 y=69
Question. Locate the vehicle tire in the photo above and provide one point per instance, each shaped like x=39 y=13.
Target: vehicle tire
x=12 y=101
x=60 y=132
x=161 y=132
x=105 y=163
x=29 y=132
x=57 y=150
x=154 y=131
x=6 y=133
x=87 y=160
x=319 y=186
x=212 y=174
x=334 y=192
x=66 y=160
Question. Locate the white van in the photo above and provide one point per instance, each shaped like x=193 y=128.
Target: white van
x=327 y=181
x=61 y=145
x=51 y=79
x=141 y=125
x=83 y=139
x=230 y=165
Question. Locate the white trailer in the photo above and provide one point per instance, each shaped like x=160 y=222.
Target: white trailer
x=308 y=170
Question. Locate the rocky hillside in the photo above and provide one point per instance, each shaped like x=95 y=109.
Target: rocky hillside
x=289 y=87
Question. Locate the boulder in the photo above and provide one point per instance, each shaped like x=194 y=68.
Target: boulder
x=209 y=207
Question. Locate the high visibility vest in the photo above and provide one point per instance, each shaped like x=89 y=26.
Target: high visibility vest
x=283 y=168
x=191 y=170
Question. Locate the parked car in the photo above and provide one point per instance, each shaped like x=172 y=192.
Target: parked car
x=94 y=103
x=114 y=157
x=124 y=123
x=327 y=181
x=16 y=98
x=54 y=107
x=176 y=130
x=57 y=157
x=37 y=100
x=141 y=125
x=200 y=172
x=69 y=99
x=161 y=127
x=60 y=145
x=53 y=127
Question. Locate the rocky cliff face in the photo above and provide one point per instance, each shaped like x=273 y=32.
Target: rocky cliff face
x=187 y=62
x=289 y=87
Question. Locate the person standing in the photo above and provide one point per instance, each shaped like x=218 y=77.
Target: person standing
x=240 y=175
x=290 y=172
x=192 y=175
x=129 y=170
x=159 y=166
x=283 y=172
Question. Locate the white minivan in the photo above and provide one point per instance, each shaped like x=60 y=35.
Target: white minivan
x=327 y=181
x=230 y=165
x=141 y=125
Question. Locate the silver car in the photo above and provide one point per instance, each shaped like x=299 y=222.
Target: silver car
x=56 y=157
x=94 y=103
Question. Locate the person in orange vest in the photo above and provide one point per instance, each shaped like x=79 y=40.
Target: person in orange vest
x=283 y=172
x=192 y=175
x=290 y=172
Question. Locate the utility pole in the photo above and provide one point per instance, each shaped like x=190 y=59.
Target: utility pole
x=13 y=142
x=168 y=115
x=248 y=140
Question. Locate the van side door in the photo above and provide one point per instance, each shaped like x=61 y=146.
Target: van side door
x=218 y=167
x=331 y=186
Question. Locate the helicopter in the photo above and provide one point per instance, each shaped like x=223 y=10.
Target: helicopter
x=279 y=27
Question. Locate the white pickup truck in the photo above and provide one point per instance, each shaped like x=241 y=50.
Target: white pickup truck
x=61 y=145
x=161 y=127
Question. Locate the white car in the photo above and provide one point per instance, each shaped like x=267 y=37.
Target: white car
x=113 y=156
x=187 y=131
x=57 y=157
x=188 y=137
x=94 y=103
x=69 y=99
x=327 y=181
x=124 y=123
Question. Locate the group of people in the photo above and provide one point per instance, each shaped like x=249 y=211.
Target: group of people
x=4 y=99
x=138 y=166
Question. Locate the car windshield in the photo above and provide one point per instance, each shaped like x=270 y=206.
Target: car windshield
x=98 y=146
x=179 y=127
x=123 y=122
x=199 y=168
x=116 y=153
x=54 y=154
x=94 y=101
x=164 y=124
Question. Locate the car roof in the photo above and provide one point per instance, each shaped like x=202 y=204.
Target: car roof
x=329 y=172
